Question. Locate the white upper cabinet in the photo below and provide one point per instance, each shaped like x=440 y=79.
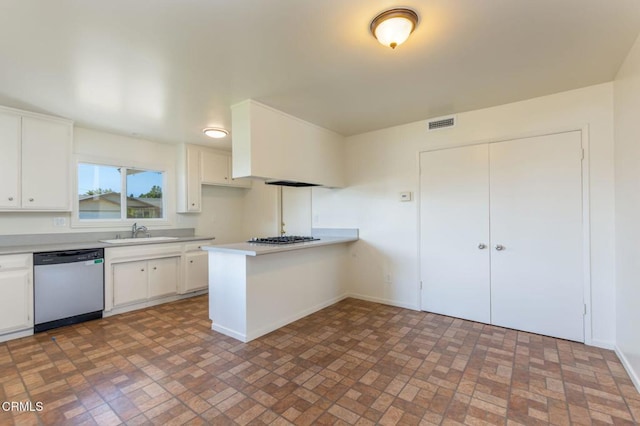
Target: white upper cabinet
x=197 y=166
x=46 y=164
x=36 y=162
x=214 y=168
x=270 y=144
x=9 y=161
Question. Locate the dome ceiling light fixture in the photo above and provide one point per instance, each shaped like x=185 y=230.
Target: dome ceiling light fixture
x=215 y=132
x=393 y=27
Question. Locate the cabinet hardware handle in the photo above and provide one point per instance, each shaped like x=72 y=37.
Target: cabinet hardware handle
x=499 y=247
x=31 y=199
x=10 y=198
x=193 y=204
x=142 y=270
x=482 y=246
x=154 y=268
x=191 y=261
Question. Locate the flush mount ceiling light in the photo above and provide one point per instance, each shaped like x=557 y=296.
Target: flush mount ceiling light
x=215 y=132
x=393 y=27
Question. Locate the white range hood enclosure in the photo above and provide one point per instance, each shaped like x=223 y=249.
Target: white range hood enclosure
x=271 y=145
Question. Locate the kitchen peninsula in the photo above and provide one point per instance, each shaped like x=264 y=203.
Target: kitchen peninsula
x=255 y=288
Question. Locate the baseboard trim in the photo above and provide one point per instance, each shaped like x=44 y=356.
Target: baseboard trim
x=153 y=302
x=16 y=335
x=383 y=301
x=228 y=332
x=604 y=344
x=627 y=366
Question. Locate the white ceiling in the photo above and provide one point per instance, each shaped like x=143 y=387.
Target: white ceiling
x=164 y=69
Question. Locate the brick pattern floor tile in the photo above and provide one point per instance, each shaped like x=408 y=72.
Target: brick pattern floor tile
x=354 y=363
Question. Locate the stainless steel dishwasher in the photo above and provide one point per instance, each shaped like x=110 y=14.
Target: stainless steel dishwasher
x=68 y=287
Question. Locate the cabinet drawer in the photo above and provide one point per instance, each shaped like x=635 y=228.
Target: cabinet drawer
x=196 y=245
x=15 y=261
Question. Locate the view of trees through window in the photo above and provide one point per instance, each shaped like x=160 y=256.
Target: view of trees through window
x=101 y=189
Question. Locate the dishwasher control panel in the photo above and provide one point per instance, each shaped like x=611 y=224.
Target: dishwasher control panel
x=56 y=257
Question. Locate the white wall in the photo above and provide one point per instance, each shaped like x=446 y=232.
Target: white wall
x=221 y=215
x=261 y=211
x=296 y=210
x=383 y=163
x=627 y=166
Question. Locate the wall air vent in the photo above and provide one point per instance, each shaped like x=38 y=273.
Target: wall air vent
x=441 y=123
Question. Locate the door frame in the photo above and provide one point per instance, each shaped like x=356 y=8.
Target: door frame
x=586 y=215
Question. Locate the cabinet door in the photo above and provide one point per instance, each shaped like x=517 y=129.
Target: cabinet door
x=15 y=300
x=536 y=219
x=214 y=167
x=454 y=227
x=9 y=160
x=196 y=271
x=130 y=282
x=46 y=164
x=193 y=180
x=163 y=276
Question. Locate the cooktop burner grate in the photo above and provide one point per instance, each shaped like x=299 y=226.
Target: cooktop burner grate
x=285 y=239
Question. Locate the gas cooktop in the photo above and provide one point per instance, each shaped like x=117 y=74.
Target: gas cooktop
x=285 y=239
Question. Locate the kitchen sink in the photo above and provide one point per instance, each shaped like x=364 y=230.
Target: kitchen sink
x=138 y=240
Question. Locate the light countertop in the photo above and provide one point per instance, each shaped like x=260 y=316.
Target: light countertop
x=257 y=249
x=50 y=244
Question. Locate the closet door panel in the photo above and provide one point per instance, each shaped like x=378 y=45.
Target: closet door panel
x=454 y=221
x=536 y=216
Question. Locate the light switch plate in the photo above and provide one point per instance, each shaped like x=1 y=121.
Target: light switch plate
x=406 y=196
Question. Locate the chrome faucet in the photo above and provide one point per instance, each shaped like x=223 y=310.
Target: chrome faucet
x=135 y=229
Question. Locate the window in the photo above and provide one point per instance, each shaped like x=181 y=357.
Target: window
x=119 y=193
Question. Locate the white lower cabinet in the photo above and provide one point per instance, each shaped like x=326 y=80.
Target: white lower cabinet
x=16 y=293
x=163 y=276
x=196 y=271
x=143 y=280
x=145 y=275
x=130 y=282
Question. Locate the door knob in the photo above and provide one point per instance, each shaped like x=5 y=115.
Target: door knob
x=499 y=247
x=482 y=246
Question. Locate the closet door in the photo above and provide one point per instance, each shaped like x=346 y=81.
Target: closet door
x=454 y=228
x=536 y=235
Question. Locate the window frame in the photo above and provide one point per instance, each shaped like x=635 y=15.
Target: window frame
x=123 y=221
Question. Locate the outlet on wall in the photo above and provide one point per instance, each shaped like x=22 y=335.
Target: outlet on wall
x=59 y=222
